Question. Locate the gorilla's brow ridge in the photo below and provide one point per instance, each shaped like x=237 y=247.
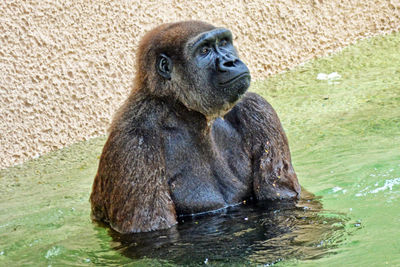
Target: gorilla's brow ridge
x=209 y=36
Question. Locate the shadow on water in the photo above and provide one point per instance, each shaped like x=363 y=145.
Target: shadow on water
x=246 y=234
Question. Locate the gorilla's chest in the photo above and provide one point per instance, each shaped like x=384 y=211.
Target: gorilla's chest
x=206 y=172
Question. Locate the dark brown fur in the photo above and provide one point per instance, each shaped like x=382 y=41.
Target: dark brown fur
x=164 y=157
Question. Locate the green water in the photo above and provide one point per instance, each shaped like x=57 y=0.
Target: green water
x=345 y=141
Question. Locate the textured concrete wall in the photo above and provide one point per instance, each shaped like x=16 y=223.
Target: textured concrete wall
x=67 y=65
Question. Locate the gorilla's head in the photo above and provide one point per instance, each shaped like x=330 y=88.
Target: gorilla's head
x=196 y=64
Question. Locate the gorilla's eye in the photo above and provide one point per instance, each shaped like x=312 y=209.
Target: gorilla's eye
x=205 y=50
x=223 y=42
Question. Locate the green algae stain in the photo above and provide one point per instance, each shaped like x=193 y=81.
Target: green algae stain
x=345 y=141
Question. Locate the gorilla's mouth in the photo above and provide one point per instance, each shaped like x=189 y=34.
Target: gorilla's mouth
x=234 y=79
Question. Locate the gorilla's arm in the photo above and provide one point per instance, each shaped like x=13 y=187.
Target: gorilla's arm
x=130 y=191
x=267 y=144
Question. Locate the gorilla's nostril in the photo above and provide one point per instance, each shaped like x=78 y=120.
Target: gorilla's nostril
x=229 y=64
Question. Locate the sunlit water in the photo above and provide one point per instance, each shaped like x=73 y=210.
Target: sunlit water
x=344 y=137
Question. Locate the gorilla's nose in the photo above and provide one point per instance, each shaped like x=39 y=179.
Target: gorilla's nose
x=225 y=64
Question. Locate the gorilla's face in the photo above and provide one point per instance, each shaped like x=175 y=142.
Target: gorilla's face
x=210 y=76
x=218 y=75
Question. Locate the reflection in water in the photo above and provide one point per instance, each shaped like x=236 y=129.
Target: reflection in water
x=245 y=234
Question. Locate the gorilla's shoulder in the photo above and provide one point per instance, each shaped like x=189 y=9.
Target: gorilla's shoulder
x=144 y=114
x=253 y=101
x=252 y=108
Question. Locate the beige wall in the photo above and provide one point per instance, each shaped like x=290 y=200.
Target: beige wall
x=67 y=65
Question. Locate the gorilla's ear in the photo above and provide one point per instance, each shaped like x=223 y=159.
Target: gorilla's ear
x=164 y=66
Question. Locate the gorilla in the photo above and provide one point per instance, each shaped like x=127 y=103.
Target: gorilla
x=189 y=139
